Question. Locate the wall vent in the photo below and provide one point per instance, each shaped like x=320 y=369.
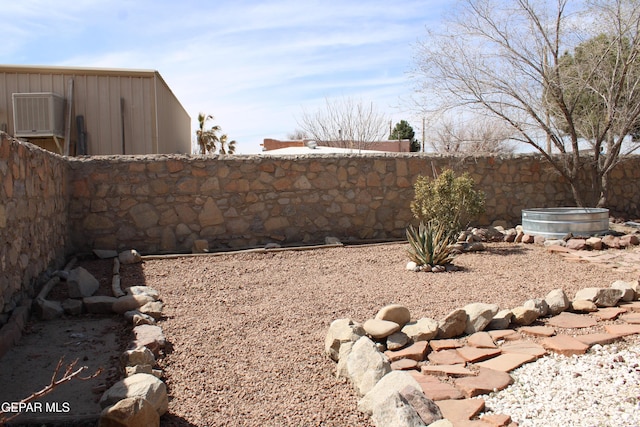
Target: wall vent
x=38 y=115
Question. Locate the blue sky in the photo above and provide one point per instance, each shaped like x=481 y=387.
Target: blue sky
x=254 y=65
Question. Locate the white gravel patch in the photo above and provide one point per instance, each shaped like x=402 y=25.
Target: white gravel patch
x=600 y=388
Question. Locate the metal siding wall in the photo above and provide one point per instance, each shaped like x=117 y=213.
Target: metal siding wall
x=174 y=123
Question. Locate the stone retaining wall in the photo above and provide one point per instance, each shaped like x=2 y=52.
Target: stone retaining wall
x=33 y=218
x=51 y=206
x=164 y=203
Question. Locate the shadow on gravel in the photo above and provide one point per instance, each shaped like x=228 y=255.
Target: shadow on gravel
x=505 y=251
x=170 y=420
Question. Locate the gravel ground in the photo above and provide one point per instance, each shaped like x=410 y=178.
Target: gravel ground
x=246 y=330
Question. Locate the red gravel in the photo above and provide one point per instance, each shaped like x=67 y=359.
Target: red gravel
x=246 y=331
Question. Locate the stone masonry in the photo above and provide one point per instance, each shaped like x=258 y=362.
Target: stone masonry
x=52 y=206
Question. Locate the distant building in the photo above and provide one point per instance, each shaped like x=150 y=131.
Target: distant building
x=393 y=146
x=93 y=111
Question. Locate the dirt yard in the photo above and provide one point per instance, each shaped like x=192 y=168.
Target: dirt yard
x=246 y=331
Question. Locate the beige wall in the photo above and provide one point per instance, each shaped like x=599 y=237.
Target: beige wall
x=154 y=120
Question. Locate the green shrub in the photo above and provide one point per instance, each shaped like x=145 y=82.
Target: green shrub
x=451 y=201
x=430 y=244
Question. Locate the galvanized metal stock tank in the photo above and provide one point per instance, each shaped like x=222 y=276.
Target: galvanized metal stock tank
x=555 y=223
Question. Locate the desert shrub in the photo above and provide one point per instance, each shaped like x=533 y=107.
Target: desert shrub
x=449 y=200
x=430 y=244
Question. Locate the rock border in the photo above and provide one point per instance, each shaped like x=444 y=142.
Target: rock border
x=381 y=356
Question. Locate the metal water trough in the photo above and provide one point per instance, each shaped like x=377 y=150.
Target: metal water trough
x=555 y=223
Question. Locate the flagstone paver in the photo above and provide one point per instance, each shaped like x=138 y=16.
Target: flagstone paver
x=622 y=329
x=464 y=409
x=445 y=357
x=474 y=354
x=633 y=318
x=486 y=381
x=609 y=313
x=417 y=351
x=565 y=344
x=539 y=331
x=599 y=338
x=481 y=340
x=435 y=389
x=452 y=370
x=524 y=347
x=631 y=306
x=507 y=362
x=571 y=321
x=504 y=334
x=404 y=364
x=445 y=344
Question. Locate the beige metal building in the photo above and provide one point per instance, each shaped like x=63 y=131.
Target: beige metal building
x=93 y=111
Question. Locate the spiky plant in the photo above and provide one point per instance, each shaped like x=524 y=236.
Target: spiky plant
x=430 y=244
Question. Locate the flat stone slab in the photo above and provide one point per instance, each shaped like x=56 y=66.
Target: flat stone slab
x=600 y=338
x=632 y=306
x=481 y=340
x=417 y=351
x=507 y=362
x=504 y=334
x=447 y=344
x=609 y=313
x=460 y=410
x=404 y=365
x=451 y=370
x=435 y=389
x=445 y=357
x=485 y=382
x=538 y=331
x=474 y=354
x=571 y=321
x=633 y=318
x=622 y=330
x=524 y=347
x=565 y=345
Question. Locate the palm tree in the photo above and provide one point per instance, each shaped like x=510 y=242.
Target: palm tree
x=207 y=139
x=230 y=145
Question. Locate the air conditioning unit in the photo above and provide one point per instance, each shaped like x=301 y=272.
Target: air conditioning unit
x=38 y=115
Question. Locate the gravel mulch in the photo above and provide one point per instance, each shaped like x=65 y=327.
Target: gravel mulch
x=246 y=331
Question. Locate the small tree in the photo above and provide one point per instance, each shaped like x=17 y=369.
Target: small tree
x=208 y=139
x=403 y=130
x=449 y=200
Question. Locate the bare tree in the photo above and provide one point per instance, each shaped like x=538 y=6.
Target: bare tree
x=346 y=123
x=504 y=58
x=472 y=135
x=297 y=135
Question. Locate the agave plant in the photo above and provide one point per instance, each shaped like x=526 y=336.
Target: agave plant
x=430 y=244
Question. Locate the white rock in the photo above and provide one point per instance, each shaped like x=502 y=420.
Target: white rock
x=130 y=256
x=478 y=316
x=395 y=411
x=602 y=297
x=392 y=382
x=424 y=329
x=366 y=365
x=557 y=301
x=341 y=331
x=81 y=283
x=139 y=385
x=630 y=289
x=411 y=266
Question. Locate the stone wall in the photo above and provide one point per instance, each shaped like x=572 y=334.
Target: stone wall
x=164 y=203
x=33 y=218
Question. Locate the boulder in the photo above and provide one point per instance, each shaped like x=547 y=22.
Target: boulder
x=395 y=411
x=426 y=408
x=138 y=369
x=557 y=301
x=478 y=316
x=47 y=309
x=537 y=304
x=629 y=289
x=137 y=318
x=577 y=244
x=139 y=385
x=594 y=243
x=105 y=253
x=397 y=340
x=394 y=381
x=424 y=329
x=137 y=356
x=378 y=328
x=341 y=331
x=501 y=320
x=72 y=307
x=143 y=290
x=583 y=306
x=611 y=241
x=149 y=336
x=366 y=365
x=395 y=313
x=130 y=412
x=341 y=368
x=555 y=242
x=601 y=297
x=152 y=309
x=628 y=240
x=200 y=246
x=130 y=302
x=523 y=316
x=130 y=256
x=453 y=324
x=81 y=283
x=98 y=304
